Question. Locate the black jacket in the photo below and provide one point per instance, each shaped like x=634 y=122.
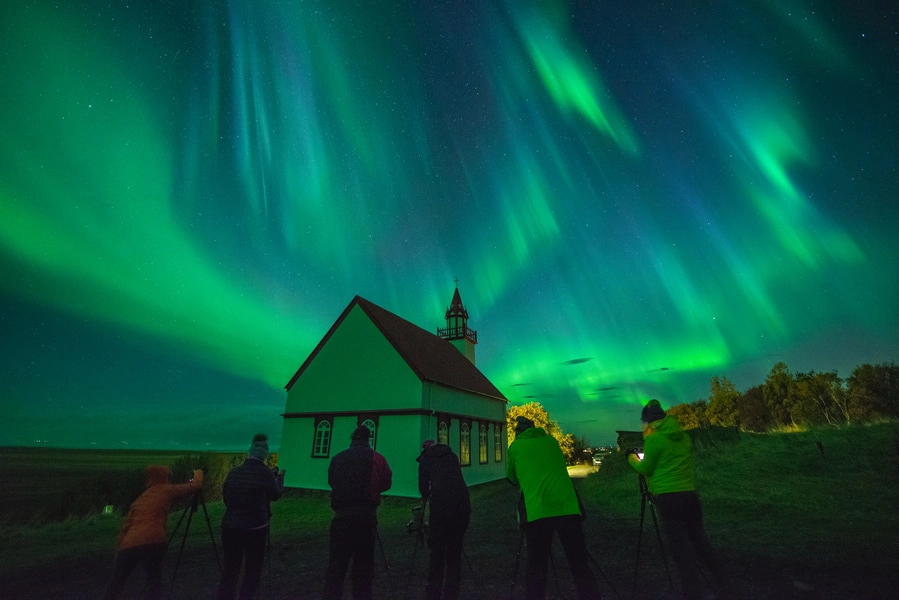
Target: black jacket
x=247 y=491
x=440 y=481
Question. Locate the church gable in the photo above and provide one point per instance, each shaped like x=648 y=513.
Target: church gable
x=353 y=368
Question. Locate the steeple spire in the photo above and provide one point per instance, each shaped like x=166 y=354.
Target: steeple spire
x=457 y=331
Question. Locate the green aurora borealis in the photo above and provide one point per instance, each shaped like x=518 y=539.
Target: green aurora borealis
x=634 y=199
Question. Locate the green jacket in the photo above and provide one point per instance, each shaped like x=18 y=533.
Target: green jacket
x=536 y=464
x=667 y=458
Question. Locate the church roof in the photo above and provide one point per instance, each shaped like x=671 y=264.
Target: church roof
x=430 y=357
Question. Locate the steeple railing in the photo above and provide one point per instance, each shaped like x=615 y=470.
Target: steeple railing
x=455 y=333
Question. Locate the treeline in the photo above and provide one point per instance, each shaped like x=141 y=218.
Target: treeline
x=792 y=400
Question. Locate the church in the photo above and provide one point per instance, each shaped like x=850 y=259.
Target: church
x=405 y=384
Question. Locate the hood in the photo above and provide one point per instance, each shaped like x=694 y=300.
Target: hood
x=157 y=474
x=670 y=427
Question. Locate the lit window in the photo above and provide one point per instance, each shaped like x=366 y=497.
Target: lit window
x=443 y=433
x=373 y=427
x=464 y=444
x=482 y=443
x=321 y=443
x=497 y=442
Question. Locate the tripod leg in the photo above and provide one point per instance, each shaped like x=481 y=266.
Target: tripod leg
x=211 y=535
x=192 y=507
x=384 y=558
x=601 y=572
x=639 y=543
x=517 y=562
x=655 y=522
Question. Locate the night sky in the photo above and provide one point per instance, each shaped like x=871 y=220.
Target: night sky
x=633 y=197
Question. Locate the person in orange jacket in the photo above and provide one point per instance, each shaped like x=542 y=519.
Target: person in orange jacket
x=142 y=539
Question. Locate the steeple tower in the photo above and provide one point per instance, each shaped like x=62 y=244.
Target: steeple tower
x=457 y=332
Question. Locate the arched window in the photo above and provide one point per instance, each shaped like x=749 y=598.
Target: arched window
x=482 y=443
x=321 y=442
x=443 y=433
x=465 y=444
x=373 y=427
x=498 y=442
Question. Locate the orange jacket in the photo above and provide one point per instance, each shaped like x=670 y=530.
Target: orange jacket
x=148 y=515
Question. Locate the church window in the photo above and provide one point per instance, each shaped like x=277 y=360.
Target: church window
x=373 y=427
x=443 y=433
x=497 y=442
x=465 y=444
x=482 y=443
x=321 y=443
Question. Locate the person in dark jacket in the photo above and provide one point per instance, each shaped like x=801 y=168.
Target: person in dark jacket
x=667 y=465
x=440 y=482
x=357 y=476
x=247 y=492
x=536 y=464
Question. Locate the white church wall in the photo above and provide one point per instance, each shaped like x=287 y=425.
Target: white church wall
x=356 y=369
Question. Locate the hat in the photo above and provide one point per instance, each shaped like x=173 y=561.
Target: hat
x=361 y=433
x=259 y=447
x=522 y=423
x=427 y=444
x=652 y=412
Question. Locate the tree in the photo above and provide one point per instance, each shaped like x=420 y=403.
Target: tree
x=536 y=413
x=776 y=393
x=690 y=416
x=816 y=398
x=753 y=412
x=874 y=391
x=722 y=410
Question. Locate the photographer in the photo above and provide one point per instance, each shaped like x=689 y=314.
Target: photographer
x=357 y=476
x=142 y=538
x=536 y=464
x=247 y=492
x=667 y=464
x=440 y=481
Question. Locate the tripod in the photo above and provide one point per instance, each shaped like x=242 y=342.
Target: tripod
x=384 y=558
x=418 y=526
x=189 y=511
x=646 y=498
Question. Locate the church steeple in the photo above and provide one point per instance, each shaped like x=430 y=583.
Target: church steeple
x=457 y=331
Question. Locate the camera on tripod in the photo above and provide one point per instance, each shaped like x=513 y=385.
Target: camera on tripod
x=417 y=523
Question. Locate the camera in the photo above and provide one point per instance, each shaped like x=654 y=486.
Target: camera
x=417 y=523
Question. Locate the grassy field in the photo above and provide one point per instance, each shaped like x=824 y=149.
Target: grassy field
x=790 y=517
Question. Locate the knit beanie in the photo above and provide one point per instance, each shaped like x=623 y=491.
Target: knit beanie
x=522 y=423
x=259 y=447
x=652 y=412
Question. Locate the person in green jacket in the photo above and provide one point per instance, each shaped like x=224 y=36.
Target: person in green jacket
x=667 y=465
x=536 y=464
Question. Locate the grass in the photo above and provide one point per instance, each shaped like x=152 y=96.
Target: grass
x=783 y=515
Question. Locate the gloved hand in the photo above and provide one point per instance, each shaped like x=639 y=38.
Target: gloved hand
x=634 y=451
x=198 y=477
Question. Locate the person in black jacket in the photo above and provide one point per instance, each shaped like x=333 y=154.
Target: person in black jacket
x=357 y=476
x=440 y=482
x=247 y=492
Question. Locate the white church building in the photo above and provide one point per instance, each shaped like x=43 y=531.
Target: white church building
x=406 y=384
